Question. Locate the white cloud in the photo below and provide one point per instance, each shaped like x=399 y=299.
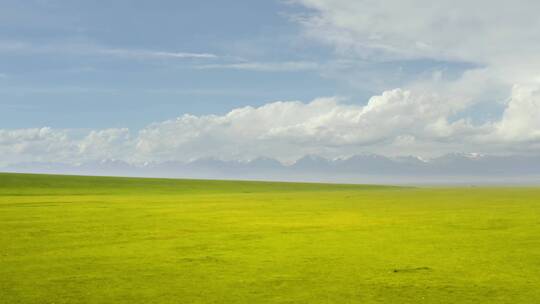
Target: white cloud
x=326 y=126
x=497 y=35
x=106 y=144
x=39 y=144
x=521 y=119
x=57 y=145
x=396 y=122
x=480 y=31
x=497 y=38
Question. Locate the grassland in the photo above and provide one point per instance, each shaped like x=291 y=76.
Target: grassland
x=117 y=240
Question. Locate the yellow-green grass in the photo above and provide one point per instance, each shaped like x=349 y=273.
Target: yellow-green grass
x=66 y=239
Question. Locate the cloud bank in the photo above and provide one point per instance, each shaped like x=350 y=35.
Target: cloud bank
x=397 y=122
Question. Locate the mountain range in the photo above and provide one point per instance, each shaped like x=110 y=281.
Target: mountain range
x=454 y=168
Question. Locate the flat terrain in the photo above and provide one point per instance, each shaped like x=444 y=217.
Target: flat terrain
x=118 y=240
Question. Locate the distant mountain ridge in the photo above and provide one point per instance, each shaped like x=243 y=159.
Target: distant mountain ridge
x=456 y=167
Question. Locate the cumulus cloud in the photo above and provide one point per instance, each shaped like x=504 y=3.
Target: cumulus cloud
x=325 y=126
x=521 y=119
x=396 y=122
x=57 y=145
x=38 y=144
x=106 y=144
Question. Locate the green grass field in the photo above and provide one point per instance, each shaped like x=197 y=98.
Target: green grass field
x=118 y=240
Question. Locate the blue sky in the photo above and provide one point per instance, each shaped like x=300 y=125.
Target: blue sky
x=57 y=71
x=58 y=77
x=179 y=80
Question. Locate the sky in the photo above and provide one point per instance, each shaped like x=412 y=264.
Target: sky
x=153 y=81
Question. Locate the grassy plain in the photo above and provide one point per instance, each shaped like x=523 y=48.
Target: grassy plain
x=67 y=239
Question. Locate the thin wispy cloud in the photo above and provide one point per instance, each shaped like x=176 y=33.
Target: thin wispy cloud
x=87 y=49
x=288 y=66
x=156 y=54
